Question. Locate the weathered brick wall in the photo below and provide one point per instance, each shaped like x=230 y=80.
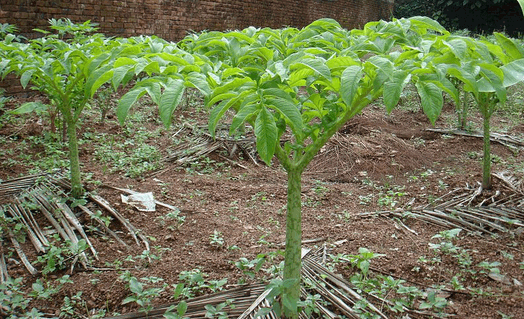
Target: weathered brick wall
x=171 y=19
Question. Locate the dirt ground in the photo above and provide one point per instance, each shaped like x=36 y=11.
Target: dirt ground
x=234 y=209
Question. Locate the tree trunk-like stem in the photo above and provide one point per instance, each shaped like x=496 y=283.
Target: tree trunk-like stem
x=76 y=183
x=486 y=166
x=292 y=262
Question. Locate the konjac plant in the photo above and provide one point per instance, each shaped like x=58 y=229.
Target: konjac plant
x=66 y=67
x=483 y=69
x=296 y=89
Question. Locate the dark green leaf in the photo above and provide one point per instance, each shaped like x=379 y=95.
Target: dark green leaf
x=349 y=83
x=170 y=99
x=245 y=112
x=431 y=100
x=127 y=101
x=393 y=89
x=266 y=134
x=289 y=111
x=26 y=77
x=318 y=65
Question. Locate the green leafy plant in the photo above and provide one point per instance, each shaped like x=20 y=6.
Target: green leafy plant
x=61 y=255
x=219 y=311
x=295 y=88
x=484 y=70
x=216 y=239
x=433 y=301
x=141 y=295
x=45 y=289
x=68 y=67
x=180 y=308
x=12 y=297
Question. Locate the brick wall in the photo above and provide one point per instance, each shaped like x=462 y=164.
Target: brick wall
x=171 y=19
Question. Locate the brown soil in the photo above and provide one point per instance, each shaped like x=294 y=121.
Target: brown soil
x=247 y=206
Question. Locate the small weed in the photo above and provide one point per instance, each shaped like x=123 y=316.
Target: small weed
x=60 y=255
x=72 y=305
x=250 y=267
x=434 y=302
x=173 y=220
x=489 y=267
x=12 y=297
x=219 y=311
x=141 y=295
x=45 y=290
x=216 y=239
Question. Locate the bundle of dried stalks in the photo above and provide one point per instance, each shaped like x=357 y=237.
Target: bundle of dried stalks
x=496 y=213
x=196 y=142
x=39 y=203
x=338 y=297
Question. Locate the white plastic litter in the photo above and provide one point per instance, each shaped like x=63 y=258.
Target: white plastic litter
x=144 y=202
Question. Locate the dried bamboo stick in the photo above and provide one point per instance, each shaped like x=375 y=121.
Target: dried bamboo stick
x=28 y=215
x=103 y=225
x=21 y=254
x=4 y=275
x=103 y=203
x=29 y=229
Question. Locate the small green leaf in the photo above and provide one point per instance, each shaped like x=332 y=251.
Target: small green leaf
x=181 y=308
x=135 y=286
x=262 y=312
x=178 y=290
x=288 y=303
x=266 y=134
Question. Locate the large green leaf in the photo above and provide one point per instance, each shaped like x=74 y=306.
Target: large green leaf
x=513 y=72
x=119 y=73
x=30 y=107
x=318 y=65
x=521 y=2
x=170 y=99
x=217 y=112
x=26 y=77
x=198 y=81
x=97 y=78
x=393 y=89
x=492 y=81
x=431 y=100
x=384 y=65
x=424 y=23
x=289 y=111
x=127 y=101
x=244 y=114
x=470 y=83
x=266 y=134
x=458 y=46
x=349 y=83
x=510 y=46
